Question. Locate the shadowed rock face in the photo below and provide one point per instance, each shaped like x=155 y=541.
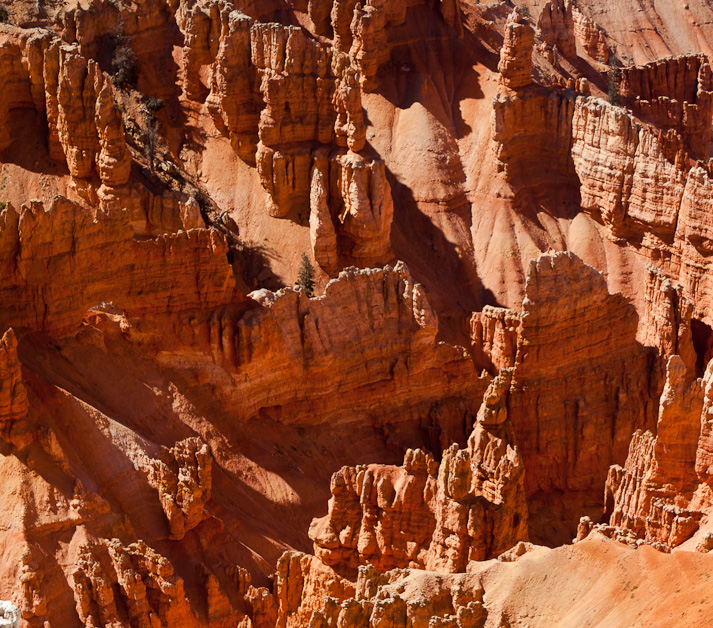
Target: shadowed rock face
x=507 y=344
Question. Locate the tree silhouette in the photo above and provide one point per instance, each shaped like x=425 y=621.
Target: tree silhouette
x=305 y=277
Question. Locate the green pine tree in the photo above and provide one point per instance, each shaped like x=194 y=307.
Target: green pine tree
x=305 y=277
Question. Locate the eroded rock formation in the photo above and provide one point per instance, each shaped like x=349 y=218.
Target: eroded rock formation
x=67 y=239
x=166 y=435
x=430 y=516
x=397 y=598
x=648 y=495
x=601 y=372
x=14 y=407
x=515 y=65
x=285 y=351
x=590 y=36
x=555 y=28
x=182 y=477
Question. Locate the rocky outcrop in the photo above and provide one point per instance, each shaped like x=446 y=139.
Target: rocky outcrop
x=650 y=495
x=287 y=351
x=9 y=615
x=182 y=477
x=309 y=97
x=590 y=36
x=666 y=320
x=84 y=128
x=695 y=227
x=530 y=128
x=674 y=93
x=494 y=333
x=426 y=516
x=232 y=102
x=201 y=27
x=370 y=48
x=20 y=92
x=302 y=585
x=578 y=398
x=351 y=211
x=82 y=115
x=323 y=234
x=188 y=271
x=145 y=581
x=515 y=65
x=627 y=179
x=555 y=28
x=397 y=598
x=296 y=84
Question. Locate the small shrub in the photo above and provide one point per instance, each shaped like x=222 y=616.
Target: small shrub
x=3 y=205
x=305 y=277
x=4 y=16
x=525 y=10
x=154 y=105
x=125 y=66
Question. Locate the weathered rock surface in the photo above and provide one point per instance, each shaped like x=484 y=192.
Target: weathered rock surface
x=82 y=116
x=590 y=36
x=180 y=411
x=9 y=615
x=555 y=28
x=351 y=211
x=14 y=407
x=494 y=333
x=47 y=252
x=374 y=329
x=426 y=516
x=580 y=398
x=515 y=65
x=675 y=93
x=529 y=126
x=148 y=587
x=182 y=477
x=649 y=494
x=666 y=321
x=397 y=598
x=232 y=101
x=84 y=128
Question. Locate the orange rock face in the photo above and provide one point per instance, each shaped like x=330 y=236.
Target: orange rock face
x=590 y=36
x=565 y=394
x=430 y=516
x=14 y=407
x=179 y=423
x=373 y=327
x=515 y=65
x=555 y=27
x=647 y=495
x=674 y=94
x=45 y=250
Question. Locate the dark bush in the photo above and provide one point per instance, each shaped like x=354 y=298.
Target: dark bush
x=154 y=104
x=125 y=66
